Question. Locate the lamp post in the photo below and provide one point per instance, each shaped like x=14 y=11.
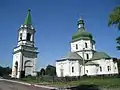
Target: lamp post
x=83 y=60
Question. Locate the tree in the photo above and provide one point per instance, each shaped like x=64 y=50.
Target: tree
x=5 y=71
x=50 y=70
x=42 y=72
x=114 y=19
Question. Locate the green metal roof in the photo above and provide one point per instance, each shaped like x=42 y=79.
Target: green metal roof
x=100 y=55
x=91 y=63
x=81 y=33
x=72 y=55
x=28 y=19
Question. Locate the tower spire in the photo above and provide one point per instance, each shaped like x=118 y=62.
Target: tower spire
x=28 y=18
x=80 y=23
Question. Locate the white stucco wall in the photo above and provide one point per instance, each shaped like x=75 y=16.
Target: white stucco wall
x=30 y=70
x=16 y=58
x=64 y=65
x=76 y=66
x=81 y=45
x=67 y=68
x=89 y=69
x=90 y=53
x=104 y=64
x=92 y=70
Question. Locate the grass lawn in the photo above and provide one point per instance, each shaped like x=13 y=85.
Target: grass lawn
x=101 y=82
x=107 y=83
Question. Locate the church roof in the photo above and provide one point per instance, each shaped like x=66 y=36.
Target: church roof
x=91 y=63
x=72 y=55
x=28 y=19
x=100 y=55
x=81 y=33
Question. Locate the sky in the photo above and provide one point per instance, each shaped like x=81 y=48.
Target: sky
x=55 y=22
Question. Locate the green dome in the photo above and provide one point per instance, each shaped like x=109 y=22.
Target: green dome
x=82 y=34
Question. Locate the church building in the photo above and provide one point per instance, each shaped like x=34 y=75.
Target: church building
x=83 y=59
x=25 y=53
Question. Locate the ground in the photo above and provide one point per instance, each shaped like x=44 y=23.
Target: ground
x=5 y=85
x=97 y=83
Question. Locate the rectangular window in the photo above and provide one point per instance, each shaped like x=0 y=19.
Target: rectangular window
x=72 y=69
x=86 y=45
x=76 y=46
x=100 y=69
x=87 y=56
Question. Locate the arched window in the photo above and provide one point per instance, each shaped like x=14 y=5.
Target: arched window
x=86 y=45
x=76 y=46
x=100 y=69
x=28 y=36
x=87 y=56
x=108 y=67
x=20 y=36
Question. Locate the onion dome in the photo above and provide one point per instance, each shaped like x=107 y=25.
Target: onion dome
x=81 y=33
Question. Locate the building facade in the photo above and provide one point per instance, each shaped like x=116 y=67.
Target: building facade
x=25 y=54
x=83 y=59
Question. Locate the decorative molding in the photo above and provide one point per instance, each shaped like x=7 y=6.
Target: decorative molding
x=26 y=40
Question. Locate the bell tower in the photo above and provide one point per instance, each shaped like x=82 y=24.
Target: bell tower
x=25 y=54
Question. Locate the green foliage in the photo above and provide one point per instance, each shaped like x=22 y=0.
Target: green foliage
x=5 y=71
x=114 y=18
x=29 y=79
x=42 y=72
x=50 y=70
x=100 y=81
